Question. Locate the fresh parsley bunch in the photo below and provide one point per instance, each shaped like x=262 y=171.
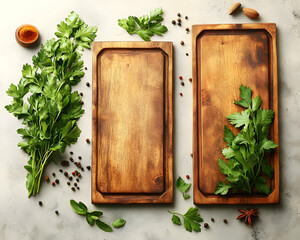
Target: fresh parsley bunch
x=145 y=26
x=246 y=150
x=44 y=100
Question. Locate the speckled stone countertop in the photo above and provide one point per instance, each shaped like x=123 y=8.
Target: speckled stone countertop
x=23 y=218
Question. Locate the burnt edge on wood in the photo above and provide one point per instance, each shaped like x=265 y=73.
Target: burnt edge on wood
x=167 y=195
x=199 y=197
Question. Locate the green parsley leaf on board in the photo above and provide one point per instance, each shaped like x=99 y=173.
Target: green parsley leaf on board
x=145 y=26
x=245 y=152
x=191 y=219
x=183 y=187
x=44 y=100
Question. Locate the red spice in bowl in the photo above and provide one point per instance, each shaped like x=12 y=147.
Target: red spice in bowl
x=27 y=35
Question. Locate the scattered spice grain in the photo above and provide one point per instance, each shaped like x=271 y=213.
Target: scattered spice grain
x=88 y=167
x=57 y=181
x=173 y=22
x=40 y=203
x=73 y=189
x=87 y=84
x=87 y=140
x=56 y=212
x=206 y=225
x=182 y=43
x=225 y=220
x=178 y=14
x=182 y=83
x=212 y=219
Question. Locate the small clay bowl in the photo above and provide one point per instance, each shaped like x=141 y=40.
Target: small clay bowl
x=30 y=43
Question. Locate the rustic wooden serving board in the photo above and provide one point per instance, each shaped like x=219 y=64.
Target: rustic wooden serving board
x=224 y=57
x=132 y=158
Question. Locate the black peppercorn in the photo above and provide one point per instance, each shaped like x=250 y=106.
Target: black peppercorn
x=182 y=42
x=69 y=183
x=87 y=84
x=178 y=14
x=88 y=167
x=206 y=225
x=81 y=94
x=179 y=24
x=186 y=17
x=81 y=102
x=182 y=83
x=70 y=178
x=173 y=22
x=178 y=20
x=73 y=189
x=225 y=220
x=77 y=179
x=212 y=219
x=186 y=54
x=87 y=140
x=79 y=157
x=56 y=212
x=57 y=181
x=75 y=184
x=187 y=29
x=85 y=68
x=66 y=174
x=78 y=188
x=82 y=169
x=53 y=174
x=40 y=203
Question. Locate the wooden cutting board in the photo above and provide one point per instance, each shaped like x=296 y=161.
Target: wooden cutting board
x=132 y=158
x=224 y=57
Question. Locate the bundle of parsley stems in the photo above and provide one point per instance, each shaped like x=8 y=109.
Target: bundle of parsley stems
x=51 y=115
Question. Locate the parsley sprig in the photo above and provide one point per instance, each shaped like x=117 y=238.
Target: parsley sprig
x=145 y=26
x=44 y=100
x=246 y=150
x=191 y=219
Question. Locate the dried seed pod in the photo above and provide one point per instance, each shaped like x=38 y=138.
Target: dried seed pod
x=234 y=8
x=251 y=13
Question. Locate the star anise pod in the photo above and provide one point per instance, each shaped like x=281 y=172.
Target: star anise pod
x=248 y=215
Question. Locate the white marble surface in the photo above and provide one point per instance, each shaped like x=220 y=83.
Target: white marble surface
x=23 y=218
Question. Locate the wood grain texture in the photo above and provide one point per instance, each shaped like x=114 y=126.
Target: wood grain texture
x=132 y=122
x=224 y=57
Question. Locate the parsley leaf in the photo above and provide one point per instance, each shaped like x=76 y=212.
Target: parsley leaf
x=93 y=216
x=51 y=115
x=145 y=26
x=191 y=219
x=183 y=187
x=245 y=152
